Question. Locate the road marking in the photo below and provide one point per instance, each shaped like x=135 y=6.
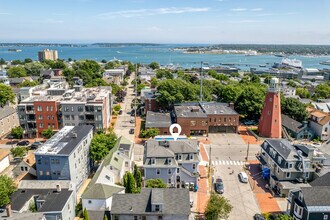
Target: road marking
x=235 y=163
x=216 y=163
x=224 y=162
x=219 y=162
x=231 y=162
x=212 y=163
x=227 y=162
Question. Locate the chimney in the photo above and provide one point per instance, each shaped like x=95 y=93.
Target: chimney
x=74 y=135
x=8 y=210
x=58 y=188
x=231 y=105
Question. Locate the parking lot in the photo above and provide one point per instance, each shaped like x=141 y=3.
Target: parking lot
x=228 y=152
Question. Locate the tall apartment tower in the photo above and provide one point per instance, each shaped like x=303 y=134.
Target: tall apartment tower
x=47 y=55
x=270 y=123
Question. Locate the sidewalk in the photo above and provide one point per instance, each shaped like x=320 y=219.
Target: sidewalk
x=267 y=203
x=247 y=136
x=203 y=188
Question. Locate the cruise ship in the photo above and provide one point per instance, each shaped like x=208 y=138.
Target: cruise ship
x=291 y=63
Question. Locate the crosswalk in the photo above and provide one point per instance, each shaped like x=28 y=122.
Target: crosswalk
x=227 y=163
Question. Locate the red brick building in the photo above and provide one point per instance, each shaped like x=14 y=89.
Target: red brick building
x=46 y=115
x=161 y=121
x=148 y=97
x=270 y=123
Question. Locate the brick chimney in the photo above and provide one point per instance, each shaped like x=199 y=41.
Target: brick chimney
x=231 y=105
x=8 y=210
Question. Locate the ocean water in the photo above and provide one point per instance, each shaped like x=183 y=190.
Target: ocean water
x=163 y=54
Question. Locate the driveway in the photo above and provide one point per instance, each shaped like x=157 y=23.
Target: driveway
x=228 y=152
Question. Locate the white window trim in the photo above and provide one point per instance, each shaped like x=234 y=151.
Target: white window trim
x=159 y=172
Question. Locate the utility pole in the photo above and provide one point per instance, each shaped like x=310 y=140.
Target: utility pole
x=210 y=159
x=247 y=152
x=201 y=78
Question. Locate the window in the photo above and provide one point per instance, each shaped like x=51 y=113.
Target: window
x=157 y=208
x=325 y=217
x=41 y=173
x=72 y=108
x=144 y=217
x=89 y=201
x=135 y=217
x=279 y=160
x=268 y=113
x=325 y=129
x=66 y=109
x=48 y=117
x=224 y=119
x=158 y=171
x=22 y=168
x=306 y=175
x=177 y=170
x=107 y=177
x=179 y=157
x=278 y=170
x=57 y=161
x=288 y=175
x=290 y=165
x=80 y=109
x=116 y=159
x=53 y=117
x=193 y=166
x=47 y=108
x=210 y=119
x=126 y=163
x=72 y=117
x=270 y=99
x=204 y=123
x=41 y=125
x=40 y=117
x=169 y=171
x=169 y=181
x=300 y=197
x=192 y=123
x=67 y=117
x=191 y=156
x=81 y=117
x=47 y=173
x=51 y=108
x=39 y=108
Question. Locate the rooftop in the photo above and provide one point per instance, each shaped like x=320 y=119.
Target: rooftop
x=3 y=153
x=6 y=111
x=316 y=196
x=189 y=110
x=96 y=94
x=292 y=124
x=283 y=147
x=158 y=120
x=64 y=141
x=54 y=201
x=217 y=108
x=175 y=202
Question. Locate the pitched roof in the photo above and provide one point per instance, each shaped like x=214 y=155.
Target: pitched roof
x=6 y=111
x=101 y=191
x=322 y=180
x=292 y=124
x=283 y=147
x=316 y=196
x=175 y=202
x=54 y=201
x=3 y=153
x=169 y=148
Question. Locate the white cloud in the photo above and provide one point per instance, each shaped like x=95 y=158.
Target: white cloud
x=150 y=12
x=4 y=13
x=257 y=9
x=245 y=21
x=238 y=9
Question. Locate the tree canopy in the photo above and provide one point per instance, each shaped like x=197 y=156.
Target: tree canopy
x=33 y=69
x=129 y=183
x=6 y=95
x=28 y=83
x=322 y=91
x=17 y=132
x=16 y=72
x=151 y=132
x=19 y=151
x=48 y=133
x=7 y=188
x=294 y=109
x=218 y=207
x=101 y=145
x=154 y=65
x=302 y=93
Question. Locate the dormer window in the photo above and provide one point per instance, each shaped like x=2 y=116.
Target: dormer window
x=290 y=165
x=279 y=160
x=158 y=208
x=153 y=161
x=169 y=161
x=179 y=157
x=191 y=156
x=300 y=196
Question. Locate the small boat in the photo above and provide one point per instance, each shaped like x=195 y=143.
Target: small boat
x=325 y=62
x=262 y=65
x=14 y=50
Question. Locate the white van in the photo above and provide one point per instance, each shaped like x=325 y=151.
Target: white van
x=243 y=177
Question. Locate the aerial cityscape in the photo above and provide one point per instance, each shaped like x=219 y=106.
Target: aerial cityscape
x=165 y=110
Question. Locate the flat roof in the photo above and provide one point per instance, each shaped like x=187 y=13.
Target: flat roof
x=158 y=120
x=217 y=108
x=64 y=141
x=189 y=110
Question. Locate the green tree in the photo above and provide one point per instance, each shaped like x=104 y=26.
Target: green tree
x=154 y=82
x=155 y=183
x=33 y=69
x=267 y=79
x=294 y=109
x=218 y=207
x=28 y=60
x=164 y=73
x=48 y=133
x=116 y=108
x=284 y=217
x=2 y=61
x=86 y=215
x=302 y=93
x=19 y=151
x=101 y=145
x=322 y=91
x=6 y=95
x=97 y=82
x=137 y=177
x=103 y=61
x=17 y=132
x=151 y=132
x=105 y=217
x=28 y=83
x=7 y=188
x=229 y=93
x=129 y=183
x=154 y=65
x=17 y=71
x=16 y=62
x=250 y=102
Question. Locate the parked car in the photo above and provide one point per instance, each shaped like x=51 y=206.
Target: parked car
x=218 y=185
x=258 y=217
x=23 y=143
x=250 y=122
x=120 y=111
x=35 y=145
x=131 y=131
x=11 y=142
x=243 y=177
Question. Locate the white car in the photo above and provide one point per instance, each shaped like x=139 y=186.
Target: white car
x=243 y=177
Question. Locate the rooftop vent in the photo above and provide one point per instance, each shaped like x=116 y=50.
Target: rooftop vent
x=74 y=135
x=58 y=188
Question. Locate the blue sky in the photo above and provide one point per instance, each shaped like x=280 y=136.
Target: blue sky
x=166 y=21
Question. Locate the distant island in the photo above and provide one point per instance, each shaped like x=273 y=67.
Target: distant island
x=41 y=44
x=255 y=49
x=123 y=44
